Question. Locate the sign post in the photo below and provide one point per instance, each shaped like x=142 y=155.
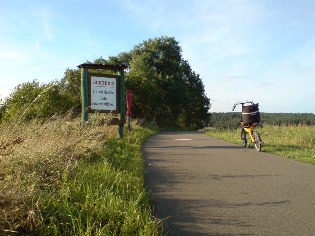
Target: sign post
x=122 y=104
x=84 y=95
x=103 y=92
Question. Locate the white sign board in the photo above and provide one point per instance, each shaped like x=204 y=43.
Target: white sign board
x=103 y=93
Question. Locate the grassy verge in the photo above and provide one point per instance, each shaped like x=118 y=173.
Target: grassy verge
x=59 y=178
x=295 y=142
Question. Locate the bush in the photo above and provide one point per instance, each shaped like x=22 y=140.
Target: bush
x=32 y=100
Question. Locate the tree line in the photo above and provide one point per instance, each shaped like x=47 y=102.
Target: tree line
x=231 y=120
x=166 y=89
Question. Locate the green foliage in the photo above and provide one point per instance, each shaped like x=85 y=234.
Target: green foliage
x=166 y=89
x=20 y=98
x=70 y=87
x=228 y=120
x=122 y=58
x=32 y=100
x=231 y=120
x=106 y=195
x=196 y=103
x=289 y=119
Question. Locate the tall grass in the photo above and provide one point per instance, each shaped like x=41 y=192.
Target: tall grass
x=59 y=178
x=294 y=142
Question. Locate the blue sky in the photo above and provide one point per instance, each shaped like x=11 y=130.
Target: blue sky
x=261 y=50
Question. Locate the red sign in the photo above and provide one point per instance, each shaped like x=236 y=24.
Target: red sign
x=129 y=98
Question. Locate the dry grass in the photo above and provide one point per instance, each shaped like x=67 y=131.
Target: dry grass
x=34 y=158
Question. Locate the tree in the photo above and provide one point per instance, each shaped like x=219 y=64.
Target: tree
x=70 y=87
x=166 y=89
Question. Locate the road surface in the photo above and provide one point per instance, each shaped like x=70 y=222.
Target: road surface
x=204 y=186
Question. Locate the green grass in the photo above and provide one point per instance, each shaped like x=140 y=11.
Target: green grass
x=64 y=179
x=294 y=142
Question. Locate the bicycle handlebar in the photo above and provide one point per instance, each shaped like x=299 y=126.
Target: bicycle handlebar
x=239 y=102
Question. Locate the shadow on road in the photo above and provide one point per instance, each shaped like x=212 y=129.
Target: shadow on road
x=196 y=147
x=208 y=214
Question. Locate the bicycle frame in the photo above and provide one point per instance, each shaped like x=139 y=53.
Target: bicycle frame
x=249 y=130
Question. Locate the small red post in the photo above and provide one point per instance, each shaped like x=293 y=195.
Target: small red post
x=129 y=98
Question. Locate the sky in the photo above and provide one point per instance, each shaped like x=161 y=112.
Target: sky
x=258 y=50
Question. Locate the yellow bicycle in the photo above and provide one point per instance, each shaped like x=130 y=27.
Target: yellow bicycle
x=250 y=120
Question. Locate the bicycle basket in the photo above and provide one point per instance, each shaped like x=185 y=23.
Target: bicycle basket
x=250 y=114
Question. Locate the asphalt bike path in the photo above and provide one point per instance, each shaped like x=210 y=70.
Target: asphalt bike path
x=204 y=186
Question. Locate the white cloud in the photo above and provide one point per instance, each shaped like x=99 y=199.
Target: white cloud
x=45 y=16
x=11 y=55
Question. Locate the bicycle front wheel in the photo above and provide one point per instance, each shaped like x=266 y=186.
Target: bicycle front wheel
x=258 y=142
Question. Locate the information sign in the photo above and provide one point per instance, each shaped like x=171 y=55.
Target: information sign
x=104 y=93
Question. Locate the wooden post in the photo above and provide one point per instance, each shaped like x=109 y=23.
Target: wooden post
x=84 y=95
x=122 y=103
